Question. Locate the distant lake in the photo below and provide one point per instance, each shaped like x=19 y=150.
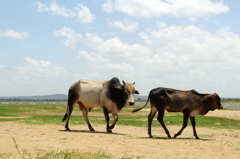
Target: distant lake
x=231 y=106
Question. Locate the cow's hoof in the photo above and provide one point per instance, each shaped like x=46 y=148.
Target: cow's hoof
x=197 y=137
x=109 y=131
x=67 y=129
x=111 y=127
x=91 y=129
x=150 y=136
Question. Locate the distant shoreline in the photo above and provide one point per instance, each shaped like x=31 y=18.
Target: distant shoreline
x=232 y=105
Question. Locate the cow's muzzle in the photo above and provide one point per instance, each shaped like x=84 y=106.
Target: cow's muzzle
x=220 y=107
x=131 y=103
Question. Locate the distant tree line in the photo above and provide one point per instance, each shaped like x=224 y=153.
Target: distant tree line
x=230 y=99
x=64 y=100
x=32 y=100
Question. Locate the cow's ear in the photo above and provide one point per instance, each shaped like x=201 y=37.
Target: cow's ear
x=214 y=95
x=119 y=87
x=136 y=92
x=133 y=83
x=123 y=82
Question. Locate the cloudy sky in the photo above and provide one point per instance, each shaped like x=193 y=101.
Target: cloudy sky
x=46 y=46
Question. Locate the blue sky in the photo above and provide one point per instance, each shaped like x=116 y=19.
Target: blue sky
x=46 y=46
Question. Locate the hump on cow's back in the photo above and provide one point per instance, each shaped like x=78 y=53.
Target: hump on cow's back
x=112 y=85
x=115 y=81
x=112 y=92
x=115 y=93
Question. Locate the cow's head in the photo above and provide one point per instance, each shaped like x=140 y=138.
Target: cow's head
x=213 y=102
x=216 y=101
x=129 y=91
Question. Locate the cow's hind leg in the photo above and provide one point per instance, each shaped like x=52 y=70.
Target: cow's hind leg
x=85 y=115
x=160 y=119
x=193 y=126
x=105 y=111
x=115 y=116
x=72 y=99
x=68 y=114
x=185 y=122
x=150 y=118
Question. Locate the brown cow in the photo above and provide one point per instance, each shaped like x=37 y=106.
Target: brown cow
x=190 y=103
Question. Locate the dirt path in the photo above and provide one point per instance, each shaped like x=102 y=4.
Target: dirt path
x=126 y=141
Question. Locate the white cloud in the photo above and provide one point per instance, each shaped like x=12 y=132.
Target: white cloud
x=156 y=8
x=197 y=8
x=125 y=25
x=161 y=24
x=93 y=40
x=14 y=34
x=142 y=8
x=190 y=57
x=41 y=69
x=145 y=37
x=93 y=59
x=108 y=6
x=192 y=43
x=84 y=14
x=36 y=77
x=97 y=62
x=55 y=9
x=72 y=37
x=115 y=47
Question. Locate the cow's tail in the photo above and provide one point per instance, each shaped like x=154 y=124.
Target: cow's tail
x=68 y=111
x=136 y=110
x=72 y=99
x=66 y=115
x=68 y=107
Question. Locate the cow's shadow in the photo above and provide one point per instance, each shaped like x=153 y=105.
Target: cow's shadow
x=186 y=138
x=91 y=132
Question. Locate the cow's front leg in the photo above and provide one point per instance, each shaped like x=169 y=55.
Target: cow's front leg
x=105 y=111
x=194 y=127
x=115 y=116
x=185 y=122
x=85 y=115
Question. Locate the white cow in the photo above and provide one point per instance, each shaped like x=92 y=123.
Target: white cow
x=109 y=95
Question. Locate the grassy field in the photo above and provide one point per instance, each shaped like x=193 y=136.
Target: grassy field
x=45 y=114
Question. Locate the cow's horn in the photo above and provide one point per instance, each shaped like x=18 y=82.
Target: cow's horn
x=214 y=95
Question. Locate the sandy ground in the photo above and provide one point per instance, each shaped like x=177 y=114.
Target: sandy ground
x=125 y=141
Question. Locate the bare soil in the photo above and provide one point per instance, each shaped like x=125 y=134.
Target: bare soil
x=124 y=142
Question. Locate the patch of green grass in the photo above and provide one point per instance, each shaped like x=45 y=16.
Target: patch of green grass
x=65 y=139
x=231 y=135
x=10 y=112
x=68 y=154
x=230 y=101
x=75 y=154
x=9 y=119
x=53 y=115
x=21 y=109
x=6 y=155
